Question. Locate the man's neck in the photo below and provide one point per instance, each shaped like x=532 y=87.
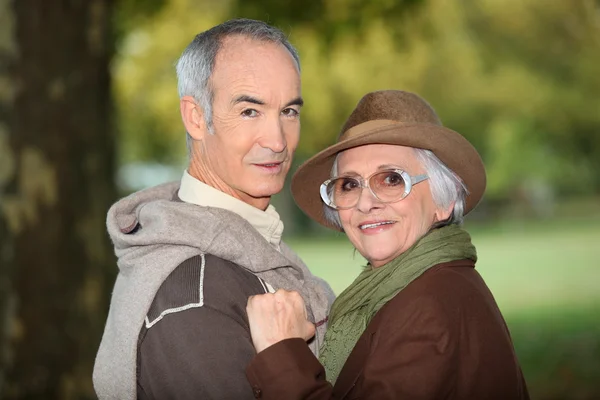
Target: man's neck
x=203 y=175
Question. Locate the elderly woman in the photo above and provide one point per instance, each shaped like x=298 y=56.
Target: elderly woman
x=419 y=322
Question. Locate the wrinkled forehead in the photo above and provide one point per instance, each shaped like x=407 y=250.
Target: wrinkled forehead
x=243 y=47
x=367 y=159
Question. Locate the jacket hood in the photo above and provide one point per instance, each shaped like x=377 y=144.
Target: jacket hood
x=144 y=223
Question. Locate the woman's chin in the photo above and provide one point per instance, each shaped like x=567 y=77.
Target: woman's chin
x=380 y=258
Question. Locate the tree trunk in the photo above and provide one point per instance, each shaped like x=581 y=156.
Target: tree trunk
x=56 y=184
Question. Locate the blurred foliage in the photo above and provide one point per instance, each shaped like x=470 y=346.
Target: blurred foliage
x=128 y=14
x=329 y=19
x=518 y=79
x=145 y=81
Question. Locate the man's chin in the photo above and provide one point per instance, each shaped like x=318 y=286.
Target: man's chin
x=265 y=191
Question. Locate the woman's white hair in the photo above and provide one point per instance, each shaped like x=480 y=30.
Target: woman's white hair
x=446 y=189
x=195 y=66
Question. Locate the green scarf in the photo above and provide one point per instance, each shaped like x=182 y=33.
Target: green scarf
x=353 y=309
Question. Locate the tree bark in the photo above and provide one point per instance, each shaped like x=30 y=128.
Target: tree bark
x=56 y=184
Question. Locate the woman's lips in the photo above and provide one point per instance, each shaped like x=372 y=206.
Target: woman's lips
x=375 y=226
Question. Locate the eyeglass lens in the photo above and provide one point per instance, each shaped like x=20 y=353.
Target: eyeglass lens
x=388 y=186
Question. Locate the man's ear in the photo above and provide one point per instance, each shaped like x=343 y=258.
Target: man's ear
x=193 y=117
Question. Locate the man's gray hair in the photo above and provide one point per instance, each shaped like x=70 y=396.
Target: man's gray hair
x=446 y=188
x=195 y=66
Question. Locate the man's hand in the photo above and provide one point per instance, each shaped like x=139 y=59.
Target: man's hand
x=277 y=316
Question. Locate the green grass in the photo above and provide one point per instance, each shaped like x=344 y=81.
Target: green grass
x=541 y=265
x=559 y=351
x=545 y=276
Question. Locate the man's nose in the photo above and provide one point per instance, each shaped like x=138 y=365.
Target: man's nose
x=273 y=137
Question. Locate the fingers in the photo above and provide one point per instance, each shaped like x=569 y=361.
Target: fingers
x=280 y=299
x=293 y=303
x=277 y=316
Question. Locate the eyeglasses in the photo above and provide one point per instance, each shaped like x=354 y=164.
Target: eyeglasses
x=387 y=186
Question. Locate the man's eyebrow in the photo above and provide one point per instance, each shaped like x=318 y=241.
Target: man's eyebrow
x=298 y=101
x=244 y=98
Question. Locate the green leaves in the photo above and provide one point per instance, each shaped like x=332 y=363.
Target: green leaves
x=519 y=80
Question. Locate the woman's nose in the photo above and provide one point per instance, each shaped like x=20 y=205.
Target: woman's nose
x=367 y=201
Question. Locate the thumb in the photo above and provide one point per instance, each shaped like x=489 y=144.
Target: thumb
x=309 y=331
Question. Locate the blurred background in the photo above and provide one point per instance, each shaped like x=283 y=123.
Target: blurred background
x=89 y=113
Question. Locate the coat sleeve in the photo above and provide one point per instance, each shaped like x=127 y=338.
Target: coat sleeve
x=410 y=357
x=199 y=353
x=288 y=370
x=196 y=342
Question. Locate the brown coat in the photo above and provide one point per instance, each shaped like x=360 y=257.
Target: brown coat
x=442 y=337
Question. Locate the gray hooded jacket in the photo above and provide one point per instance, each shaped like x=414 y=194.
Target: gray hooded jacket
x=153 y=233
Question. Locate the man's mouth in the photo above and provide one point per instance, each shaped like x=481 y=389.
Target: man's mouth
x=271 y=167
x=270 y=164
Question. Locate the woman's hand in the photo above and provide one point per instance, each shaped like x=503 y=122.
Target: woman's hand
x=277 y=316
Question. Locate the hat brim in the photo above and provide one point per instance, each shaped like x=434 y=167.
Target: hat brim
x=449 y=146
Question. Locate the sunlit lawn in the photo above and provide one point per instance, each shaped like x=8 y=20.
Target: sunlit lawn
x=546 y=279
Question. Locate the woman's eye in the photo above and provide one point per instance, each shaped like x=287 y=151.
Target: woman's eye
x=349 y=184
x=290 y=112
x=393 y=179
x=250 y=113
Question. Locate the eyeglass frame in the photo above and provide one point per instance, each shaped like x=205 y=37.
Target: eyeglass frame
x=409 y=182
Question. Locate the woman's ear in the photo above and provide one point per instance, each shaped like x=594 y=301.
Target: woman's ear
x=193 y=117
x=442 y=214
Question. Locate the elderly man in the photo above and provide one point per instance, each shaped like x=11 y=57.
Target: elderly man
x=192 y=252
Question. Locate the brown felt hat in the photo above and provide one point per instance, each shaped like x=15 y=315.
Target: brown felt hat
x=391 y=117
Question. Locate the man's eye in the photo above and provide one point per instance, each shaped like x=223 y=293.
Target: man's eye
x=250 y=113
x=290 y=112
